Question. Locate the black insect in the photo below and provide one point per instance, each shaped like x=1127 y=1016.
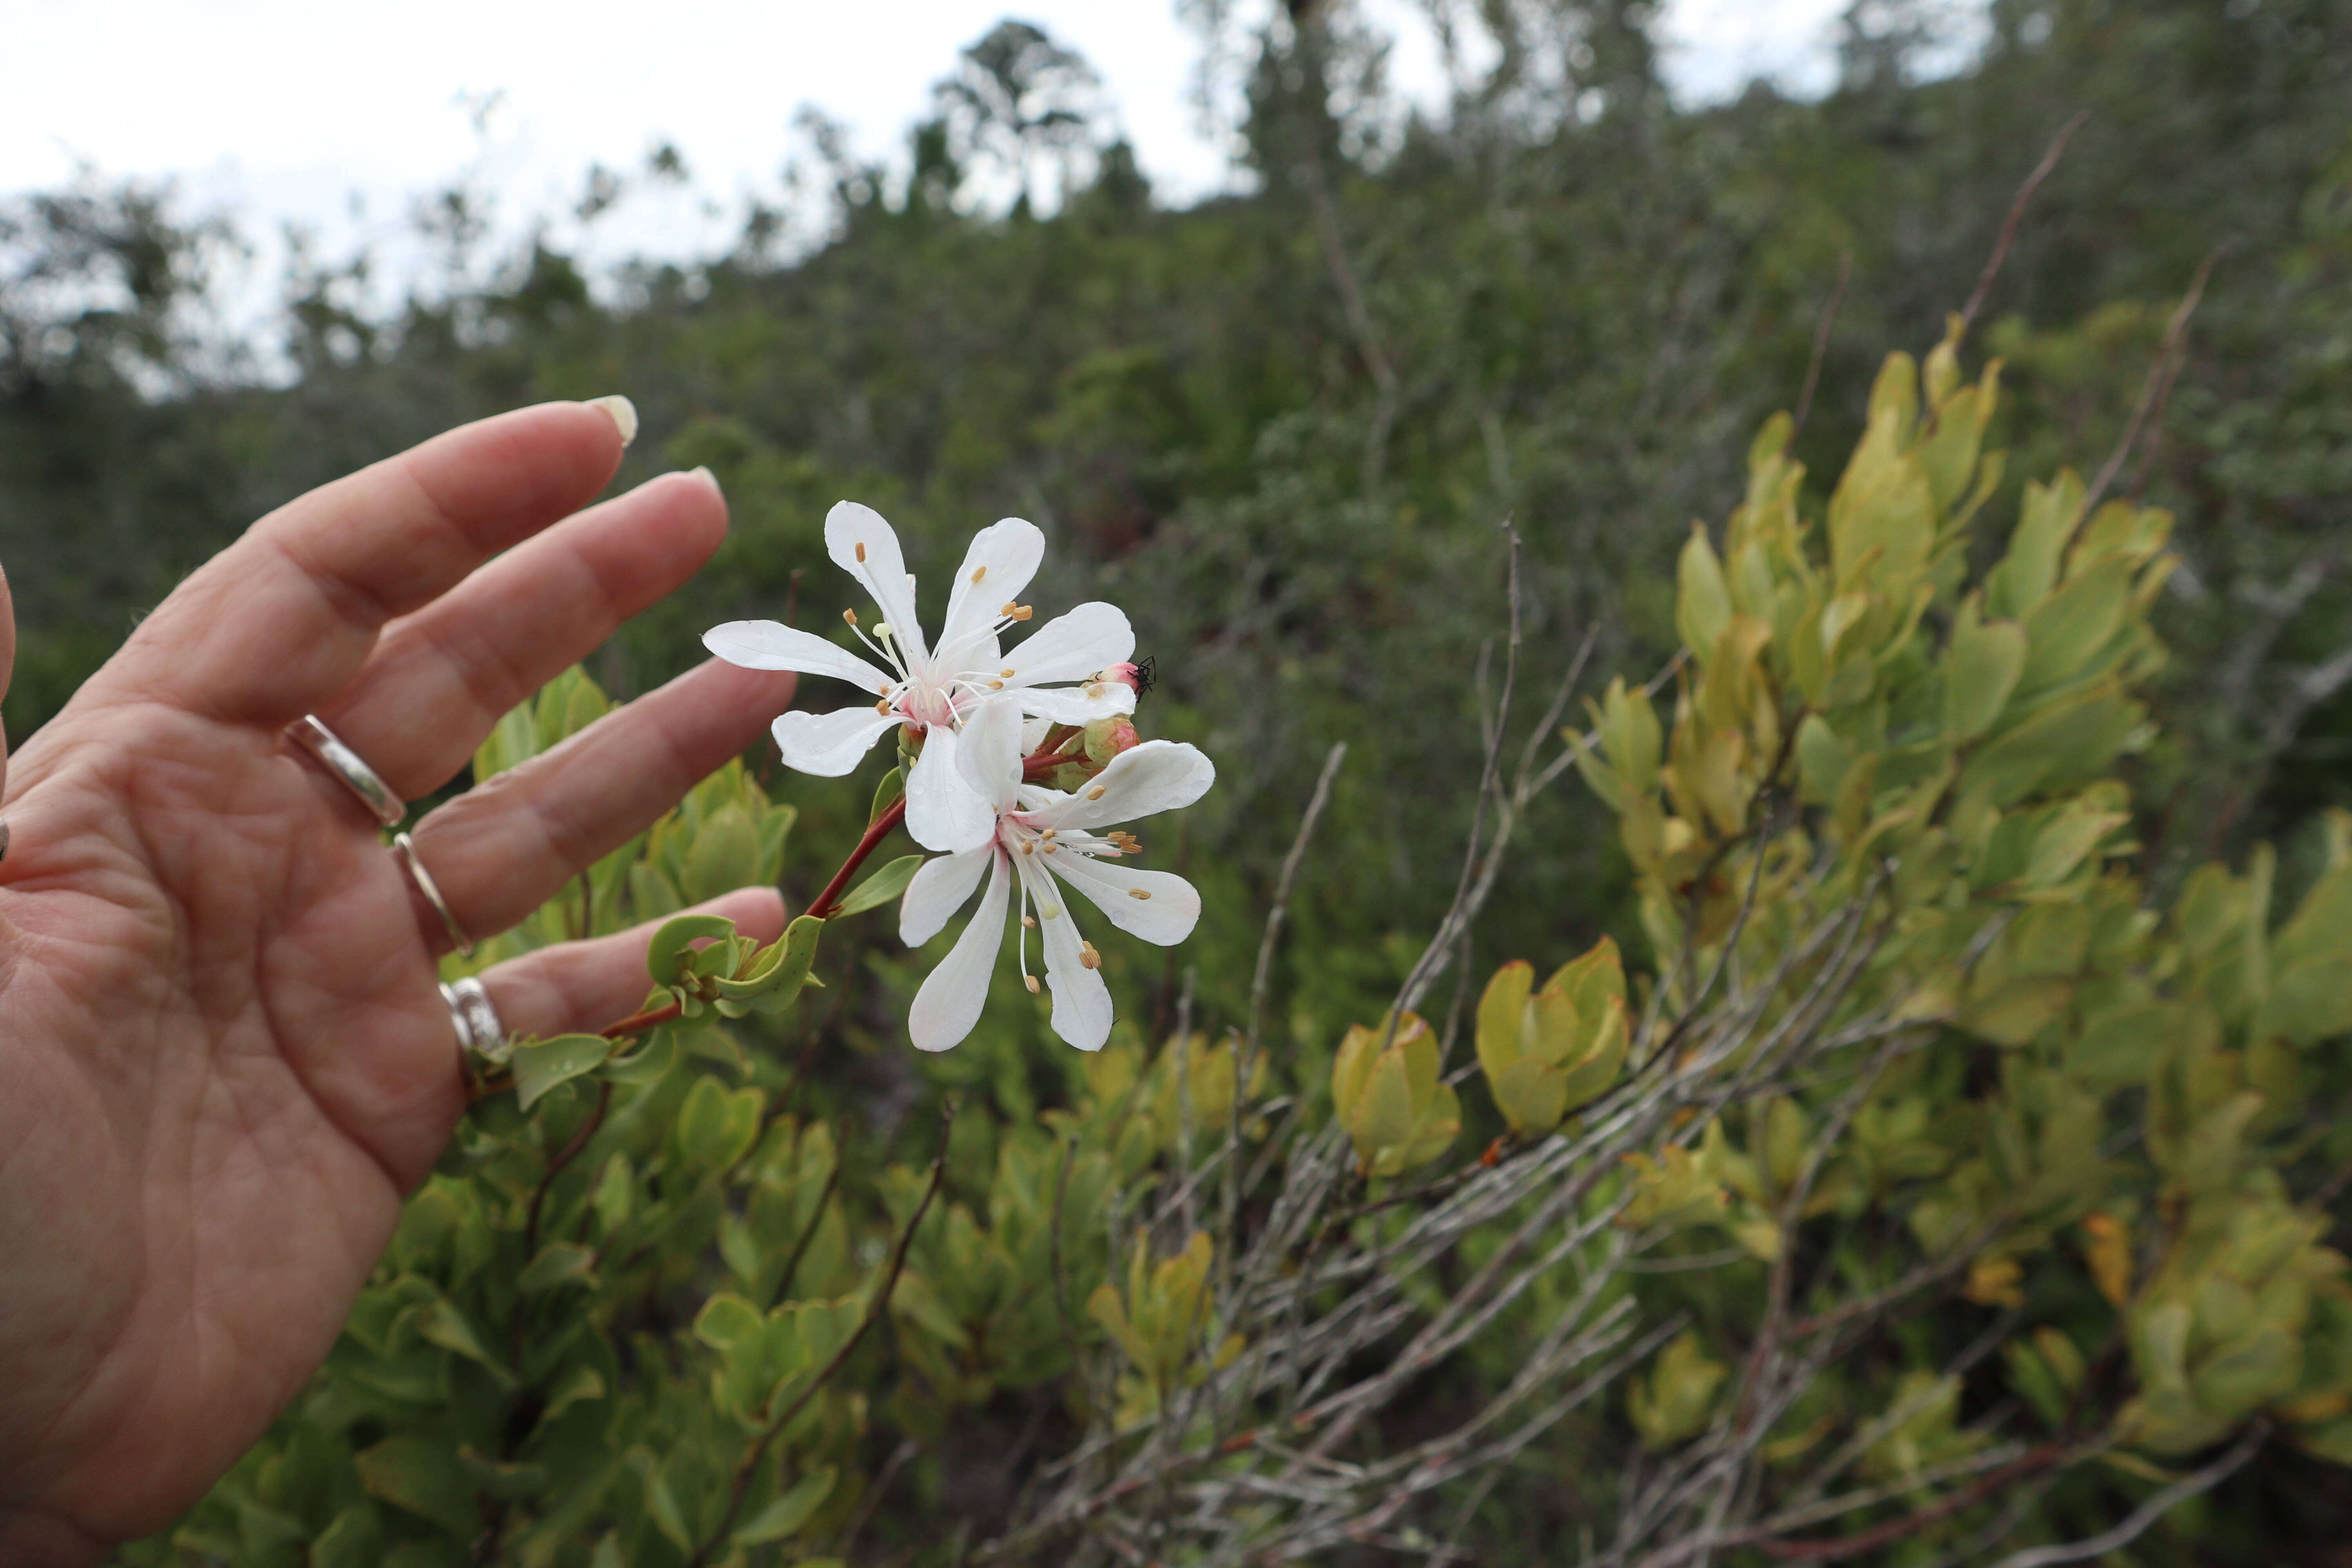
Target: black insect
x=1147 y=674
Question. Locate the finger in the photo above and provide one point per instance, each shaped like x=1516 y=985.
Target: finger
x=580 y=987
x=502 y=849
x=440 y=679
x=276 y=624
x=7 y=672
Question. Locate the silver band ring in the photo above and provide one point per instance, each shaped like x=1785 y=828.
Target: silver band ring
x=348 y=766
x=475 y=1021
x=404 y=849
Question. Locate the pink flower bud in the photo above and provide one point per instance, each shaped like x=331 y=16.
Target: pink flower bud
x=1107 y=738
x=1128 y=673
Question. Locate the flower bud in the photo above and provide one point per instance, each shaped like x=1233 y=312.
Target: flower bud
x=1107 y=738
x=1126 y=672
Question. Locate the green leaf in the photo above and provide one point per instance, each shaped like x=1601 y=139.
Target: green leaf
x=1383 y=1113
x=582 y=1383
x=676 y=938
x=893 y=786
x=701 y=1126
x=1500 y=1009
x=880 y=888
x=558 y=1263
x=1980 y=669
x=788 y=1513
x=354 y=1540
x=540 y=1065
x=1532 y=1095
x=649 y=1064
x=1702 y=602
x=425 y=1478
x=727 y=1320
x=781 y=970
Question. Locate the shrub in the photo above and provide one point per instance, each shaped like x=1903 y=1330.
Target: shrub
x=1922 y=1189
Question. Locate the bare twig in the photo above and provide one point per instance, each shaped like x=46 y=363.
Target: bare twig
x=1821 y=346
x=2159 y=379
x=2135 y=1524
x=808 y=1233
x=750 y=1467
x=2016 y=215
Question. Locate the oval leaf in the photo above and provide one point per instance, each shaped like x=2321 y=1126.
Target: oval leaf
x=540 y=1065
x=880 y=888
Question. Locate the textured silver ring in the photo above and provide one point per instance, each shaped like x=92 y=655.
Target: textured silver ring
x=348 y=766
x=404 y=849
x=476 y=1022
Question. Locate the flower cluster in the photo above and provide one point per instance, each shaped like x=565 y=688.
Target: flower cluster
x=1021 y=759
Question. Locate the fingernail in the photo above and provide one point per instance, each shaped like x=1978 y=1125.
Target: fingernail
x=623 y=413
x=705 y=472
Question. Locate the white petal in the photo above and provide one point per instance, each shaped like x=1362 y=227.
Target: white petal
x=1034 y=733
x=764 y=644
x=951 y=998
x=1004 y=555
x=829 y=744
x=883 y=571
x=938 y=891
x=1157 y=775
x=1082 y=1012
x=1077 y=704
x=1166 y=916
x=1092 y=638
x=943 y=811
x=987 y=753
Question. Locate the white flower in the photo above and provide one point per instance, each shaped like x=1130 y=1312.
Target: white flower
x=1049 y=841
x=938 y=692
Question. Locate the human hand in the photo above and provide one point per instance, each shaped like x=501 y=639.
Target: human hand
x=223 y=1057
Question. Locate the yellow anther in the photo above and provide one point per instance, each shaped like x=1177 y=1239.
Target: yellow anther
x=1031 y=982
x=1088 y=956
x=849 y=615
x=1096 y=792
x=883 y=706
x=996 y=685
x=1009 y=607
x=1028 y=922
x=1027 y=848
x=1049 y=833
x=861 y=552
x=978 y=573
x=1137 y=893
x=1006 y=673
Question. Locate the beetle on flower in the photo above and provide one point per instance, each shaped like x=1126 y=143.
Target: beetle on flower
x=1048 y=841
x=1056 y=674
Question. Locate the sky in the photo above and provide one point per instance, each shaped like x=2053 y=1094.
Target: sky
x=335 y=116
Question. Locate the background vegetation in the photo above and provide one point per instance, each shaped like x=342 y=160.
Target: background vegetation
x=1282 y=428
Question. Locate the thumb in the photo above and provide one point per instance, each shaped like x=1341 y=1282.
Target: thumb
x=7 y=668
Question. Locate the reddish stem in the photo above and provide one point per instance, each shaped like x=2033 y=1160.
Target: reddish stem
x=638 y=1023
x=892 y=815
x=1033 y=768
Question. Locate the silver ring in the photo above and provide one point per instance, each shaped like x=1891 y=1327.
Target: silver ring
x=350 y=767
x=476 y=1022
x=4 y=839
x=404 y=849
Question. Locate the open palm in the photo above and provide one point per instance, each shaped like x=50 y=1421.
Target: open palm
x=223 y=1057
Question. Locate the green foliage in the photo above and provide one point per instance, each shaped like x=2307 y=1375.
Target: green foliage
x=1386 y=1093
x=1937 y=1069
